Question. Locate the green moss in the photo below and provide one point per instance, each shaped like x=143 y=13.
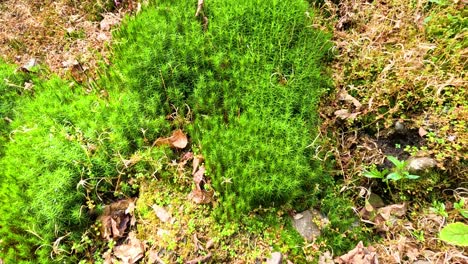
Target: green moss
x=252 y=81
x=249 y=83
x=59 y=137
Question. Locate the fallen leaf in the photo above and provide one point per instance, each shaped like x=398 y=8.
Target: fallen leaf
x=183 y=161
x=107 y=256
x=201 y=259
x=130 y=252
x=387 y=215
x=197 y=160
x=116 y=217
x=198 y=176
x=199 y=196
x=422 y=132
x=154 y=258
x=162 y=213
x=344 y=114
x=29 y=65
x=344 y=96
x=177 y=140
x=394 y=209
x=209 y=244
x=186 y=157
x=359 y=255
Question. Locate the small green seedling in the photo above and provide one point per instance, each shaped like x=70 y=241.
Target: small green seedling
x=439 y=208
x=399 y=172
x=460 y=207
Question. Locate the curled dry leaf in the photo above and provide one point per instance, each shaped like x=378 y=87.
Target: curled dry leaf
x=177 y=140
x=130 y=252
x=344 y=96
x=199 y=196
x=201 y=259
x=197 y=160
x=116 y=218
x=422 y=132
x=162 y=213
x=183 y=161
x=198 y=177
x=359 y=255
x=384 y=216
x=153 y=257
x=344 y=114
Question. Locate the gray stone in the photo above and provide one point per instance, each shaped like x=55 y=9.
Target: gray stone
x=400 y=127
x=276 y=258
x=420 y=164
x=305 y=224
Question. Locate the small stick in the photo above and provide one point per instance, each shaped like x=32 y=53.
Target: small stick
x=199 y=7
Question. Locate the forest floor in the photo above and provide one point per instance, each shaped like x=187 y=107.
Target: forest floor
x=399 y=72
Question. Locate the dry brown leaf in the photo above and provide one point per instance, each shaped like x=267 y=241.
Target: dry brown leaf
x=116 y=218
x=131 y=252
x=210 y=244
x=186 y=157
x=107 y=256
x=177 y=140
x=199 y=196
x=198 y=177
x=201 y=259
x=183 y=161
x=387 y=215
x=383 y=216
x=359 y=255
x=162 y=213
x=344 y=114
x=394 y=209
x=154 y=258
x=344 y=96
x=422 y=132
x=197 y=160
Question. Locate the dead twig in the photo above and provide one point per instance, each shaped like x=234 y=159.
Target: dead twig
x=199 y=7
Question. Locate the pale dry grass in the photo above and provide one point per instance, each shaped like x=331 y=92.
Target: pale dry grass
x=56 y=33
x=389 y=69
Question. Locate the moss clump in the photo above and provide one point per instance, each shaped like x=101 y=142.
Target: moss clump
x=65 y=150
x=251 y=80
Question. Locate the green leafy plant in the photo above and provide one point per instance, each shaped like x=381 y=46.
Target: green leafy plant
x=460 y=207
x=375 y=173
x=439 y=208
x=399 y=172
x=455 y=233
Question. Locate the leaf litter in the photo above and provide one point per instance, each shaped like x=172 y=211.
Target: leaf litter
x=177 y=140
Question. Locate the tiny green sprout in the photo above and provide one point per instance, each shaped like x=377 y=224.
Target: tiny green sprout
x=419 y=235
x=375 y=173
x=460 y=207
x=439 y=208
x=399 y=172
